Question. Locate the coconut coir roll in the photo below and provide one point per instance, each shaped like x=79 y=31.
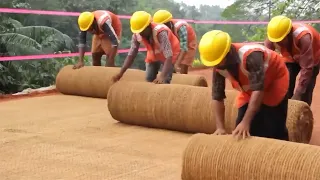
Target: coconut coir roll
x=174 y=107
x=211 y=157
x=189 y=109
x=95 y=81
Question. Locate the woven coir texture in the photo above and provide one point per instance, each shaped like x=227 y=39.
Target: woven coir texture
x=175 y=107
x=188 y=79
x=299 y=121
x=91 y=81
x=95 y=81
x=210 y=157
x=73 y=137
x=189 y=109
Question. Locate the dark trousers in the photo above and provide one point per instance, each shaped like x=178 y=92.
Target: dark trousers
x=294 y=69
x=269 y=122
x=152 y=70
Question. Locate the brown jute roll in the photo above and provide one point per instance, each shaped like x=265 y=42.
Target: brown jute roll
x=188 y=79
x=90 y=81
x=189 y=109
x=95 y=81
x=173 y=107
x=210 y=157
x=299 y=121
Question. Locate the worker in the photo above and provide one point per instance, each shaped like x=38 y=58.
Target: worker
x=162 y=48
x=261 y=77
x=300 y=45
x=106 y=27
x=186 y=36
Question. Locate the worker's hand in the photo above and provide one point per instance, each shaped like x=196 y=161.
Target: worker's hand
x=159 y=80
x=220 y=131
x=117 y=77
x=241 y=131
x=296 y=97
x=78 y=65
x=177 y=68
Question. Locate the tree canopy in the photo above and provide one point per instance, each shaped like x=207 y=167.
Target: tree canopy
x=29 y=34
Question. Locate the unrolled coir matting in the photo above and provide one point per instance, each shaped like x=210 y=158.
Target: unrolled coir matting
x=72 y=137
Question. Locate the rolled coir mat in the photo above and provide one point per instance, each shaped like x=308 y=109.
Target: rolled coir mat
x=95 y=81
x=299 y=121
x=174 y=107
x=189 y=109
x=211 y=157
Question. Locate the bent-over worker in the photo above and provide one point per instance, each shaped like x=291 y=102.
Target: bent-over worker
x=162 y=48
x=261 y=77
x=107 y=30
x=300 y=45
x=186 y=36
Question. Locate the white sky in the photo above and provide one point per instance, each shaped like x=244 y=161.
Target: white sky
x=221 y=3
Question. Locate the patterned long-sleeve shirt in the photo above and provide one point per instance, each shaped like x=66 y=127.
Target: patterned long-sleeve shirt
x=107 y=30
x=255 y=66
x=165 y=44
x=304 y=59
x=183 y=37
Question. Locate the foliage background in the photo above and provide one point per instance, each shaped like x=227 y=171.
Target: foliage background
x=23 y=34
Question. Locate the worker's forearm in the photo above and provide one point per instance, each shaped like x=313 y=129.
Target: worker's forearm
x=128 y=62
x=253 y=106
x=181 y=56
x=166 y=67
x=219 y=110
x=81 y=53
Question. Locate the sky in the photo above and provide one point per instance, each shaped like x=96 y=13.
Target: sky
x=221 y=3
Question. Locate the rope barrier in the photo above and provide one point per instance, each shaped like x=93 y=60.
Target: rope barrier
x=65 y=13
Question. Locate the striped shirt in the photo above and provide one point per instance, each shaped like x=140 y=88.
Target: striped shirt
x=164 y=41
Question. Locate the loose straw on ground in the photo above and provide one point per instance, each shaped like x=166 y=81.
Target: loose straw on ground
x=95 y=81
x=189 y=109
x=210 y=157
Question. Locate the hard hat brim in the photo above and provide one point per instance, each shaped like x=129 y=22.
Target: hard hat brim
x=211 y=63
x=143 y=28
x=276 y=39
x=89 y=25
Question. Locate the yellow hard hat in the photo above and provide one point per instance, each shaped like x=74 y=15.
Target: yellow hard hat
x=85 y=20
x=162 y=16
x=278 y=28
x=213 y=47
x=139 y=21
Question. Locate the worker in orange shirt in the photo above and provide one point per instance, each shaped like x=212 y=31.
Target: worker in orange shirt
x=261 y=77
x=107 y=29
x=162 y=48
x=186 y=36
x=299 y=44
